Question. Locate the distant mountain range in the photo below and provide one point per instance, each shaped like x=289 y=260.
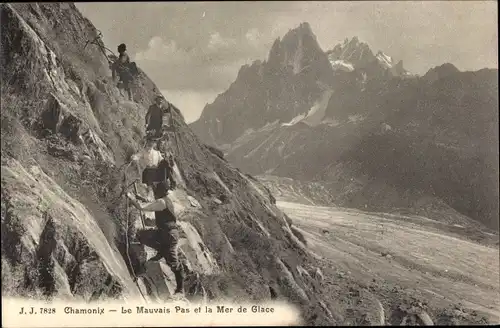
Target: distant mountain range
x=377 y=135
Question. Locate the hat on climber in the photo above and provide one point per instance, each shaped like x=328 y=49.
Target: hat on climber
x=122 y=47
x=159 y=98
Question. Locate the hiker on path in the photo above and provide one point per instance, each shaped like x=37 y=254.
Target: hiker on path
x=155 y=114
x=167 y=235
x=122 y=67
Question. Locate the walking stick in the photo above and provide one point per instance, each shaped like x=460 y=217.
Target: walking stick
x=142 y=214
x=176 y=141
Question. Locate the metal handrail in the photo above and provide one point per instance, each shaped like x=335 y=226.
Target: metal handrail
x=101 y=46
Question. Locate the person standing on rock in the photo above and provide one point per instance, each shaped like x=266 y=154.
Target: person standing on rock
x=155 y=114
x=167 y=235
x=122 y=67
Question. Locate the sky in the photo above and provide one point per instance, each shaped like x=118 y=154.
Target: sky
x=194 y=50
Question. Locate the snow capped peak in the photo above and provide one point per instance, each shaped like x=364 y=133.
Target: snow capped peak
x=341 y=65
x=350 y=54
x=354 y=54
x=384 y=59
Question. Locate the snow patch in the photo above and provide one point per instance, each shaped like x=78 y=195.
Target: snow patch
x=384 y=59
x=295 y=120
x=342 y=65
x=330 y=122
x=317 y=112
x=355 y=118
x=270 y=171
x=270 y=125
x=384 y=127
x=248 y=131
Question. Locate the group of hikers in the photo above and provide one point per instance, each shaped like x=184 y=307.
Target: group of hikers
x=157 y=173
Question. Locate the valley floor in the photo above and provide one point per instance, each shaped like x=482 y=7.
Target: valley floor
x=392 y=254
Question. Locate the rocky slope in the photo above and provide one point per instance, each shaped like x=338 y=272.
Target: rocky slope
x=66 y=131
x=383 y=139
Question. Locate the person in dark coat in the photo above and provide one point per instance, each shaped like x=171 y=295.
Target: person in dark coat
x=155 y=115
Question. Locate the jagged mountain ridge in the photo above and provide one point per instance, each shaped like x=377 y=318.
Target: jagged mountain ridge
x=297 y=77
x=66 y=131
x=448 y=115
x=296 y=73
x=355 y=55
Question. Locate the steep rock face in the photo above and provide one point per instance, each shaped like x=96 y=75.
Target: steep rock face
x=300 y=51
x=66 y=131
x=51 y=244
x=62 y=117
x=70 y=92
x=288 y=84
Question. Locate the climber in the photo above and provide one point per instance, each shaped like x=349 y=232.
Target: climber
x=166 y=221
x=154 y=117
x=124 y=68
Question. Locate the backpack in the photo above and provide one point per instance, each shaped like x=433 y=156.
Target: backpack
x=163 y=173
x=166 y=172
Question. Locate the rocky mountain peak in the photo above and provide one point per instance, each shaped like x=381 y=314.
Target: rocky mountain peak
x=304 y=29
x=353 y=41
x=354 y=54
x=296 y=67
x=352 y=51
x=297 y=49
x=441 y=71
